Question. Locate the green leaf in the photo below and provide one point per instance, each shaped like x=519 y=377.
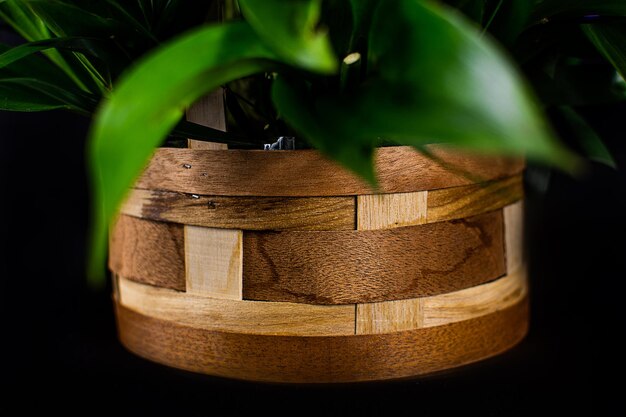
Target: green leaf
x=34 y=66
x=71 y=44
x=610 y=40
x=32 y=28
x=23 y=20
x=75 y=100
x=15 y=97
x=294 y=104
x=290 y=28
x=67 y=20
x=434 y=78
x=149 y=102
x=587 y=137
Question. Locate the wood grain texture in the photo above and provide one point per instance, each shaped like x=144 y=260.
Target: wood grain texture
x=213 y=262
x=322 y=359
x=373 y=265
x=249 y=317
x=514 y=235
x=208 y=111
x=475 y=301
x=389 y=316
x=470 y=200
x=305 y=173
x=386 y=211
x=438 y=310
x=149 y=252
x=247 y=213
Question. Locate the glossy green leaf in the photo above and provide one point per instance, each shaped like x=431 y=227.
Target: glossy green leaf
x=23 y=20
x=149 y=102
x=610 y=40
x=290 y=28
x=295 y=105
x=436 y=79
x=32 y=28
x=588 y=138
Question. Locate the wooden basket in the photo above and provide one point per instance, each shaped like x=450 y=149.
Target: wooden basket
x=281 y=266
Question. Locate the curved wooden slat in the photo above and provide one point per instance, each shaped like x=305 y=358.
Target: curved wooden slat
x=373 y=265
x=261 y=317
x=438 y=310
x=322 y=359
x=246 y=213
x=386 y=211
x=250 y=317
x=376 y=211
x=308 y=174
x=149 y=252
x=470 y=200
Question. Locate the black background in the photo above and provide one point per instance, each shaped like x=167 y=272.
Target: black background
x=59 y=347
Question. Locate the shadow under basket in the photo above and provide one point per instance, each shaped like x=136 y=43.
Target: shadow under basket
x=281 y=266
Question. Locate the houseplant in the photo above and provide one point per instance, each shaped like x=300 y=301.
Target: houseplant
x=359 y=89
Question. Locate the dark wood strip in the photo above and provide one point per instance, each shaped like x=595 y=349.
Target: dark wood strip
x=323 y=359
x=373 y=265
x=149 y=252
x=246 y=213
x=308 y=174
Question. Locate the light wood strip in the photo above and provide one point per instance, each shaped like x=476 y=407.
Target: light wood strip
x=213 y=262
x=389 y=316
x=306 y=173
x=247 y=213
x=208 y=111
x=322 y=359
x=149 y=252
x=470 y=200
x=514 y=235
x=474 y=302
x=250 y=317
x=439 y=310
x=386 y=211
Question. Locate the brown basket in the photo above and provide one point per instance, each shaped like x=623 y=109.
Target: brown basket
x=282 y=266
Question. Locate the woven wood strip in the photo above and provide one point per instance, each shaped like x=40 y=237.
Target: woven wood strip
x=438 y=310
x=252 y=317
x=386 y=211
x=460 y=202
x=308 y=174
x=149 y=252
x=278 y=318
x=246 y=213
x=322 y=359
x=373 y=265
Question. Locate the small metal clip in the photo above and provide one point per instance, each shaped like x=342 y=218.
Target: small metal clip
x=284 y=143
